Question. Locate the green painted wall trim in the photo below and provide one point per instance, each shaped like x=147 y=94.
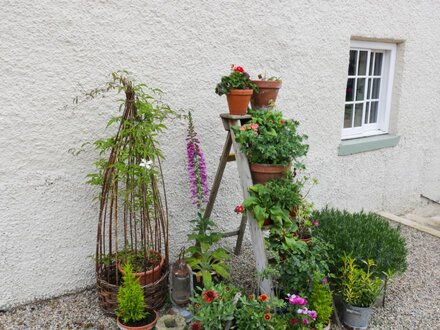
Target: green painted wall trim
x=354 y=146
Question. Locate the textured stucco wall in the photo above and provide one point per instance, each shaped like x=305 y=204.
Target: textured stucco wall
x=48 y=48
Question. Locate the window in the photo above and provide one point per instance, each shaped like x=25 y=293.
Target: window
x=369 y=87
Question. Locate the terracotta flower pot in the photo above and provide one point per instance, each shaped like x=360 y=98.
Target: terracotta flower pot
x=238 y=101
x=267 y=93
x=261 y=173
x=150 y=276
x=145 y=324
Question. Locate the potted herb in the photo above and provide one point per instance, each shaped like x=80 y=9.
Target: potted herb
x=359 y=289
x=132 y=312
x=267 y=92
x=207 y=262
x=270 y=143
x=214 y=307
x=238 y=89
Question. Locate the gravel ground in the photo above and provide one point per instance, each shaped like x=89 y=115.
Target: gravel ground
x=413 y=299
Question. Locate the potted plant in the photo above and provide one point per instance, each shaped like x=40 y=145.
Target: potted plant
x=359 y=289
x=146 y=266
x=132 y=312
x=214 y=307
x=267 y=92
x=271 y=144
x=300 y=315
x=206 y=262
x=321 y=300
x=273 y=201
x=257 y=313
x=238 y=89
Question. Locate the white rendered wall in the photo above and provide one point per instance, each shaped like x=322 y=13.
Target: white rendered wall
x=47 y=48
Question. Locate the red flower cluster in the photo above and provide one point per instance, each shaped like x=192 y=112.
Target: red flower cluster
x=196 y=326
x=237 y=68
x=209 y=296
x=239 y=209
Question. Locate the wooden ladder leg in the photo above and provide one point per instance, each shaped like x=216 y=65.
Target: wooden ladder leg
x=241 y=231
x=218 y=176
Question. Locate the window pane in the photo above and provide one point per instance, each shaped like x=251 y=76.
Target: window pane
x=362 y=70
x=358 y=115
x=349 y=95
x=378 y=64
x=369 y=89
x=360 y=89
x=352 y=63
x=376 y=88
x=373 y=112
x=367 y=111
x=348 y=115
x=370 y=71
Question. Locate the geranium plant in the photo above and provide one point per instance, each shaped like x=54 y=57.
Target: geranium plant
x=301 y=317
x=237 y=79
x=268 y=138
x=204 y=259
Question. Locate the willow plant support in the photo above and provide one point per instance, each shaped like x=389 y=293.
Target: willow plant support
x=133 y=216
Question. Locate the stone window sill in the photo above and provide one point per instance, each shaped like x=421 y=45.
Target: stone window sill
x=354 y=146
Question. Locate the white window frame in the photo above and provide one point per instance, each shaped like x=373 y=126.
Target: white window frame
x=385 y=92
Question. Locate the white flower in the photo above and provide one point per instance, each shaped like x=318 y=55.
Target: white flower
x=148 y=164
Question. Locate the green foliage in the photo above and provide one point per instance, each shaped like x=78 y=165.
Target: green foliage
x=321 y=300
x=257 y=313
x=295 y=270
x=269 y=139
x=213 y=314
x=205 y=260
x=138 y=143
x=235 y=80
x=131 y=304
x=359 y=287
x=274 y=200
x=363 y=236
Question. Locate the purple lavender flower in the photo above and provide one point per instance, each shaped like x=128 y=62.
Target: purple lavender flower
x=196 y=167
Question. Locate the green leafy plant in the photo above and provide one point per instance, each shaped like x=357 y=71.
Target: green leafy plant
x=131 y=304
x=363 y=236
x=257 y=313
x=359 y=287
x=269 y=139
x=274 y=200
x=321 y=300
x=237 y=79
x=215 y=306
x=294 y=269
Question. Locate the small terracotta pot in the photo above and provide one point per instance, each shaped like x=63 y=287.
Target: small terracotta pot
x=267 y=222
x=148 y=326
x=267 y=93
x=238 y=101
x=261 y=173
x=150 y=276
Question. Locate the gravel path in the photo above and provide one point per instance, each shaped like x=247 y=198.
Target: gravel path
x=413 y=299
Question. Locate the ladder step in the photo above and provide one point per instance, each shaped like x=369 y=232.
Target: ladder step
x=231 y=157
x=231 y=233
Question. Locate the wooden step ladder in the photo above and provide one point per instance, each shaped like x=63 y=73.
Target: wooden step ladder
x=245 y=182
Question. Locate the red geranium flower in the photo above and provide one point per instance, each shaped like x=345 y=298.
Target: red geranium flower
x=239 y=69
x=196 y=326
x=209 y=296
x=239 y=209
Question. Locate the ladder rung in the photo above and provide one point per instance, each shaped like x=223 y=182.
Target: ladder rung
x=231 y=233
x=231 y=157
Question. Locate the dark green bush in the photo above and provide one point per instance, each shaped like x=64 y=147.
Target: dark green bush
x=363 y=236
